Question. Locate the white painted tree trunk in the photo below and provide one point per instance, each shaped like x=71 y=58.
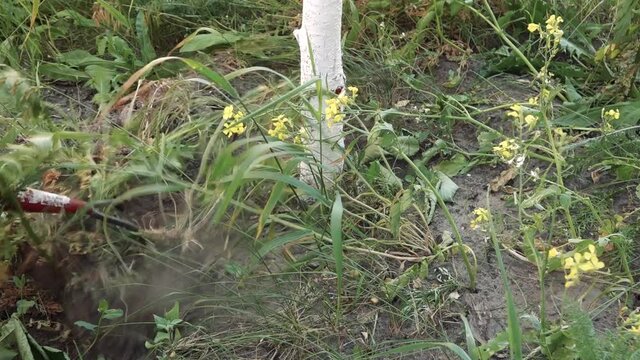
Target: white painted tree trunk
x=319 y=39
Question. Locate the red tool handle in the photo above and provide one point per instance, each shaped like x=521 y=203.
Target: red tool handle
x=32 y=200
x=38 y=201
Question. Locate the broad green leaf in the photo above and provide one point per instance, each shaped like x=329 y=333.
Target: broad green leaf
x=21 y=338
x=372 y=152
x=454 y=166
x=486 y=141
x=572 y=48
x=174 y=313
x=493 y=346
x=111 y=314
x=446 y=187
x=55 y=354
x=572 y=93
x=387 y=180
x=63 y=72
x=85 y=325
x=101 y=78
x=80 y=58
x=407 y=145
x=213 y=38
x=23 y=306
x=161 y=337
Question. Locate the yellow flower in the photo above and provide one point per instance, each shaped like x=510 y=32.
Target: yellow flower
x=332 y=112
x=533 y=27
x=581 y=263
x=506 y=149
x=227 y=113
x=611 y=114
x=533 y=101
x=344 y=99
x=553 y=252
x=553 y=27
x=280 y=128
x=632 y=322
x=230 y=128
x=531 y=121
x=336 y=119
x=546 y=94
x=482 y=216
x=516 y=111
x=553 y=23
x=237 y=116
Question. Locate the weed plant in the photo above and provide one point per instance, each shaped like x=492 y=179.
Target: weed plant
x=351 y=268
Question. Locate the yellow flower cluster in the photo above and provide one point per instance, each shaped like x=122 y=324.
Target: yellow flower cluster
x=608 y=117
x=611 y=114
x=281 y=129
x=482 y=216
x=233 y=125
x=333 y=111
x=632 y=323
x=552 y=28
x=517 y=112
x=506 y=149
x=580 y=263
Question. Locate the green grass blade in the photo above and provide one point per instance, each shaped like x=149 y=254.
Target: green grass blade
x=274 y=199
x=471 y=341
x=336 y=237
x=212 y=76
x=414 y=346
x=144 y=39
x=151 y=189
x=283 y=240
x=513 y=322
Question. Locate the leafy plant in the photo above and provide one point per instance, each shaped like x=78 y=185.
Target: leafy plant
x=167 y=332
x=105 y=314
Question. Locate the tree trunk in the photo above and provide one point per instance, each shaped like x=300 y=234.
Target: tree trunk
x=319 y=39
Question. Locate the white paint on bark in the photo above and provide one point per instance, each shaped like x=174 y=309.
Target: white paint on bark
x=319 y=37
